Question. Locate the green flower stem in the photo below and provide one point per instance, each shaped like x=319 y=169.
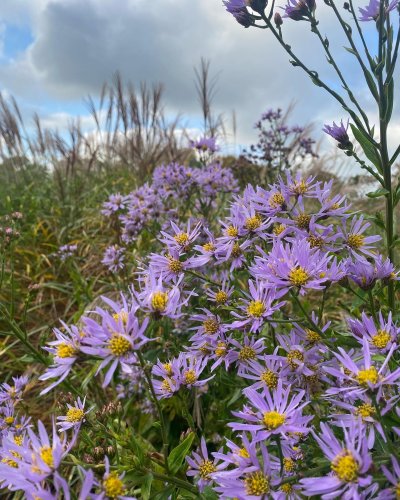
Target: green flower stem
x=331 y=60
x=164 y=433
x=386 y=166
x=312 y=74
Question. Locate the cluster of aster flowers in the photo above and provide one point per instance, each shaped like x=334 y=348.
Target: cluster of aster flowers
x=9 y=228
x=241 y=301
x=279 y=145
x=172 y=189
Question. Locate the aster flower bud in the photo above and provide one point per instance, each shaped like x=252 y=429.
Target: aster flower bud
x=258 y=5
x=339 y=133
x=98 y=451
x=278 y=19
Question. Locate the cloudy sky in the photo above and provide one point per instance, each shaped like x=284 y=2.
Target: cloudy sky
x=55 y=52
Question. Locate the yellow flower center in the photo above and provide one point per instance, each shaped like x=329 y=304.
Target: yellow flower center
x=381 y=339
x=166 y=386
x=278 y=229
x=253 y=223
x=9 y=420
x=122 y=315
x=300 y=187
x=270 y=378
x=190 y=377
x=46 y=454
x=298 y=276
x=113 y=486
x=312 y=337
x=256 y=484
x=303 y=221
x=289 y=464
x=10 y=462
x=368 y=375
x=210 y=326
x=236 y=251
x=256 y=308
x=365 y=410
x=355 y=241
x=159 y=301
x=75 y=415
x=206 y=468
x=247 y=353
x=315 y=241
x=397 y=491
x=168 y=368
x=232 y=231
x=18 y=440
x=175 y=265
x=286 y=488
x=242 y=452
x=209 y=247
x=65 y=350
x=220 y=350
x=276 y=200
x=273 y=419
x=294 y=356
x=345 y=467
x=182 y=239
x=221 y=297
x=119 y=345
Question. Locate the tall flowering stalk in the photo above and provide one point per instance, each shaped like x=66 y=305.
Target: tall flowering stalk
x=377 y=64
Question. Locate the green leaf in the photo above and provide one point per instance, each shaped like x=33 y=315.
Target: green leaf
x=209 y=494
x=389 y=92
x=178 y=454
x=366 y=145
x=379 y=192
x=146 y=486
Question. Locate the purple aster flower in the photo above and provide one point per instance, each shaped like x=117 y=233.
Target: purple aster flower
x=252 y=480
x=381 y=338
x=393 y=477
x=299 y=10
x=183 y=238
x=260 y=305
x=205 y=144
x=250 y=349
x=169 y=373
x=161 y=300
x=114 y=258
x=238 y=8
x=115 y=339
x=350 y=463
x=116 y=203
x=295 y=265
x=112 y=485
x=360 y=373
x=191 y=369
x=339 y=133
x=202 y=467
x=266 y=372
x=13 y=392
x=300 y=359
x=273 y=413
x=65 y=351
x=66 y=251
x=371 y=11
x=365 y=274
x=170 y=265
x=75 y=416
x=355 y=241
x=211 y=325
x=363 y=412
x=222 y=295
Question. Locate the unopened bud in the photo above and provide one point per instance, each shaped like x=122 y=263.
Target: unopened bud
x=278 y=19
